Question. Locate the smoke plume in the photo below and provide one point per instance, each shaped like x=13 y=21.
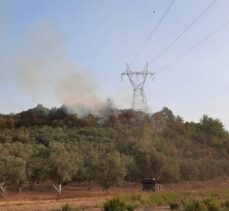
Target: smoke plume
x=43 y=71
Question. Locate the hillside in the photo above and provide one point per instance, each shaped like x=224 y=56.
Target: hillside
x=117 y=145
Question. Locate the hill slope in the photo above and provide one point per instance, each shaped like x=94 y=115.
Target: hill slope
x=116 y=145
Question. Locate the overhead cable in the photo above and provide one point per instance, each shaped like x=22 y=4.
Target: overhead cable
x=153 y=31
x=203 y=40
x=187 y=28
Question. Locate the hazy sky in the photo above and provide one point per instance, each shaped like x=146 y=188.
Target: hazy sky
x=42 y=41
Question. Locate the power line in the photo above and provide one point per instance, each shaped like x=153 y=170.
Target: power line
x=153 y=31
x=203 y=40
x=203 y=12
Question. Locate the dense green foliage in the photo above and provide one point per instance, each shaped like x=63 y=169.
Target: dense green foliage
x=114 y=205
x=42 y=144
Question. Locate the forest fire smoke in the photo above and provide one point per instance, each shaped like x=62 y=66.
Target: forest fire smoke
x=47 y=75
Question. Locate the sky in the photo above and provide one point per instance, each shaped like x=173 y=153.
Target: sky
x=55 y=52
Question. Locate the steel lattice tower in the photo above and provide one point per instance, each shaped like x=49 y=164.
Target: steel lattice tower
x=137 y=80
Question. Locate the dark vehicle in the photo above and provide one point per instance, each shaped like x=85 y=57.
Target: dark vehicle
x=149 y=184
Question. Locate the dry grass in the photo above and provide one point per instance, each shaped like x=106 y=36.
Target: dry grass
x=44 y=198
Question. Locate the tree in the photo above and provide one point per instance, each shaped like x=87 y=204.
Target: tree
x=111 y=169
x=170 y=171
x=19 y=150
x=90 y=162
x=212 y=126
x=62 y=165
x=36 y=167
x=189 y=170
x=148 y=161
x=91 y=120
x=12 y=172
x=2 y=122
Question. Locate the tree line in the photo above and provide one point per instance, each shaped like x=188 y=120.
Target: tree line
x=118 y=145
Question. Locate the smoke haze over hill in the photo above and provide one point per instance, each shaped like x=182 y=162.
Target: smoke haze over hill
x=44 y=72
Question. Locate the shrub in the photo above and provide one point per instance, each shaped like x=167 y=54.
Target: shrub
x=157 y=199
x=195 y=206
x=173 y=205
x=114 y=205
x=212 y=205
x=117 y=204
x=130 y=207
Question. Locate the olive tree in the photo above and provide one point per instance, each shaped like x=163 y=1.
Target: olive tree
x=12 y=172
x=111 y=169
x=37 y=168
x=62 y=165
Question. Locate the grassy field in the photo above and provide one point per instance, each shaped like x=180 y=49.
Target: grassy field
x=80 y=198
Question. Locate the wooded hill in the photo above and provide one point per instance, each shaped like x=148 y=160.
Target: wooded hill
x=115 y=146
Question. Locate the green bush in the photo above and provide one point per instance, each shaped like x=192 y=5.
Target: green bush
x=130 y=207
x=66 y=207
x=195 y=206
x=117 y=204
x=173 y=205
x=207 y=205
x=212 y=205
x=157 y=199
x=114 y=205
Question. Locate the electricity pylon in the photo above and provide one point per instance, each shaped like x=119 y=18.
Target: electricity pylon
x=137 y=80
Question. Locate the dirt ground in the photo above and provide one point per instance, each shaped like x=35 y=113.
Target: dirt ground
x=44 y=197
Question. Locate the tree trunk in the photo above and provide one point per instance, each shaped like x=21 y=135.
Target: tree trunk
x=58 y=188
x=3 y=189
x=108 y=190
x=19 y=188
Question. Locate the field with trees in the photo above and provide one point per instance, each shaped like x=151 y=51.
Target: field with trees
x=56 y=148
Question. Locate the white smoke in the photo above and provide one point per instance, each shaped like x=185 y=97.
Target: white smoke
x=42 y=69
